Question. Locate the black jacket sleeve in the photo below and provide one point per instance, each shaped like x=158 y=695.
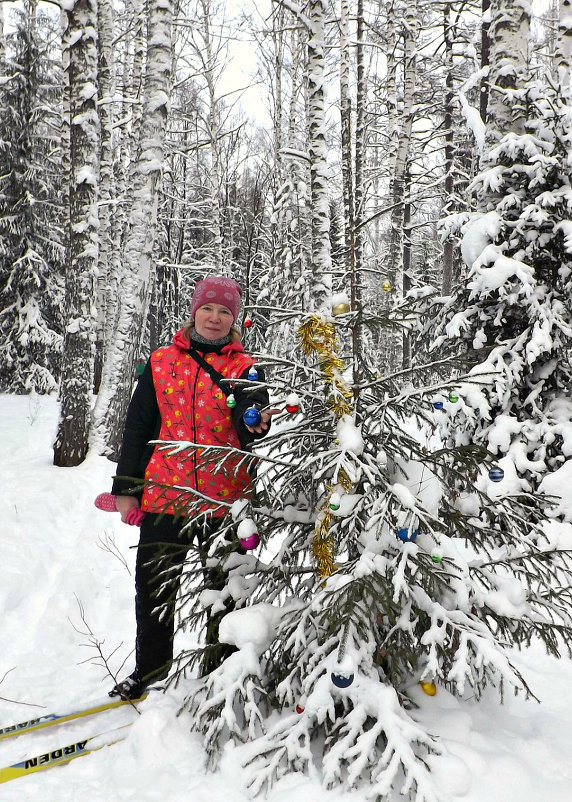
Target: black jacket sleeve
x=248 y=396
x=142 y=424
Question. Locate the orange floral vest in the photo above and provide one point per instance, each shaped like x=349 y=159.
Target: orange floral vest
x=193 y=408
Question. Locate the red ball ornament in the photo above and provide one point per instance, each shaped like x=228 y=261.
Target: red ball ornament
x=248 y=321
x=292 y=408
x=299 y=709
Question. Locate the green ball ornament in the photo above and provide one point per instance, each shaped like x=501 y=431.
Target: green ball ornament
x=231 y=401
x=335 y=501
x=453 y=398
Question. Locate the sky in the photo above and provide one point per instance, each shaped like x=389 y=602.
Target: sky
x=67 y=584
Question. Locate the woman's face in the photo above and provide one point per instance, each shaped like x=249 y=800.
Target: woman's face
x=213 y=321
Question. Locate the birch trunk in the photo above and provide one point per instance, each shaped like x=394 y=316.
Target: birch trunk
x=71 y=444
x=138 y=252
x=448 y=118
x=509 y=35
x=399 y=187
x=346 y=131
x=106 y=183
x=321 y=256
x=563 y=55
x=214 y=178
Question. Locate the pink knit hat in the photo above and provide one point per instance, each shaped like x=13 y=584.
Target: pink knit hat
x=217 y=290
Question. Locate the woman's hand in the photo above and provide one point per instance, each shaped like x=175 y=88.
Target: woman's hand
x=265 y=416
x=124 y=505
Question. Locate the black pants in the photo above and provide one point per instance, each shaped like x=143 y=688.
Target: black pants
x=160 y=558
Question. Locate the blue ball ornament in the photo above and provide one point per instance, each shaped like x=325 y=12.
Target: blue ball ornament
x=496 y=474
x=252 y=416
x=340 y=681
x=403 y=534
x=438 y=404
x=252 y=374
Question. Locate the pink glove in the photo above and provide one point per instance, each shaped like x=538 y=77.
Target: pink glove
x=106 y=502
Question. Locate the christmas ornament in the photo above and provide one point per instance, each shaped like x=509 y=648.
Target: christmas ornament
x=340 y=309
x=429 y=688
x=438 y=404
x=453 y=398
x=496 y=474
x=299 y=709
x=341 y=681
x=231 y=401
x=436 y=558
x=252 y=416
x=248 y=321
x=318 y=336
x=386 y=286
x=250 y=542
x=403 y=534
x=292 y=403
x=335 y=501
x=247 y=534
x=252 y=374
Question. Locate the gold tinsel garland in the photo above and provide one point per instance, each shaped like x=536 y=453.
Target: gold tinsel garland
x=318 y=336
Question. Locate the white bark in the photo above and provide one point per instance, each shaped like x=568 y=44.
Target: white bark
x=401 y=128
x=563 y=55
x=509 y=35
x=321 y=256
x=71 y=445
x=106 y=79
x=138 y=250
x=213 y=132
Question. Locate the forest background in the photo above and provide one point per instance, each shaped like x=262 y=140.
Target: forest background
x=132 y=164
x=398 y=210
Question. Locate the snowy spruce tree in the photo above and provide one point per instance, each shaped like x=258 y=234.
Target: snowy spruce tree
x=31 y=235
x=514 y=309
x=393 y=562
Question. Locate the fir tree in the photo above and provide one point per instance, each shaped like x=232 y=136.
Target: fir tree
x=31 y=251
x=388 y=563
x=514 y=309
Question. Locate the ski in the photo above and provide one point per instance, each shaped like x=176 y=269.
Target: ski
x=52 y=719
x=64 y=754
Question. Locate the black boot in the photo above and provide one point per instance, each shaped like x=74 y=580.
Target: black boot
x=132 y=687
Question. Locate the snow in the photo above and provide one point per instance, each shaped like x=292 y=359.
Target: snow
x=63 y=588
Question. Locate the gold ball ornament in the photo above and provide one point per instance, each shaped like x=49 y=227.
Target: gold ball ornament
x=386 y=286
x=429 y=688
x=340 y=309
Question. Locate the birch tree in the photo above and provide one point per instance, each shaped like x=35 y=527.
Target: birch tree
x=318 y=153
x=400 y=124
x=509 y=35
x=80 y=45
x=106 y=76
x=138 y=250
x=563 y=55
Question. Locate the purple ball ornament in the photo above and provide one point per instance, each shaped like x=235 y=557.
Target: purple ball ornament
x=252 y=416
x=250 y=542
x=247 y=534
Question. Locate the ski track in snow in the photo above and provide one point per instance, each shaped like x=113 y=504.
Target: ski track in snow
x=51 y=562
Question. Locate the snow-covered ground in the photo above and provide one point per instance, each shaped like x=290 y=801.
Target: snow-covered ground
x=62 y=588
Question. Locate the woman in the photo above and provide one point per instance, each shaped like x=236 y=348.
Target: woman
x=187 y=392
